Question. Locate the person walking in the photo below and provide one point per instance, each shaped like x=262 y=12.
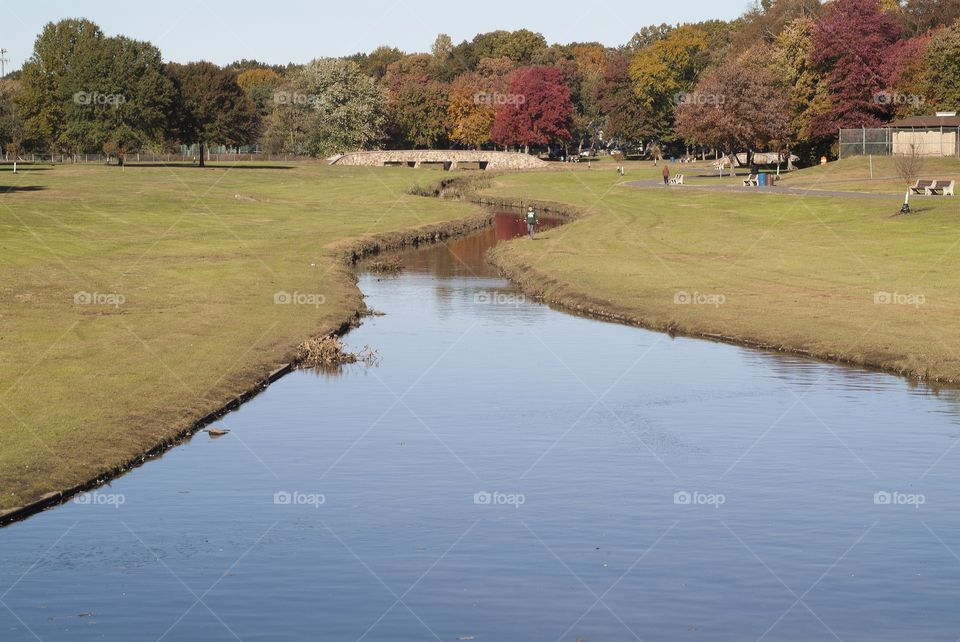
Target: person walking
x=666 y=175
x=531 y=222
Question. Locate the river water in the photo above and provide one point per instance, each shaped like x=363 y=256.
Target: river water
x=511 y=472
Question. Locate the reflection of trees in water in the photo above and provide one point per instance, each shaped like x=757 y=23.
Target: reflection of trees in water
x=468 y=256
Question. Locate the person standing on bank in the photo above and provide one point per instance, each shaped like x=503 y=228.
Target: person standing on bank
x=666 y=175
x=531 y=222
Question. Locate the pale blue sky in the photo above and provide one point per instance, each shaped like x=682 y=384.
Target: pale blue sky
x=300 y=30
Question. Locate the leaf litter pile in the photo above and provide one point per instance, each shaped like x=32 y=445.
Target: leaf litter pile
x=329 y=354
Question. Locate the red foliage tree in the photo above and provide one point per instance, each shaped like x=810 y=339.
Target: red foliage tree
x=852 y=41
x=736 y=109
x=537 y=110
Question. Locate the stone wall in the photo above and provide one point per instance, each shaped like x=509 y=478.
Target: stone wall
x=452 y=159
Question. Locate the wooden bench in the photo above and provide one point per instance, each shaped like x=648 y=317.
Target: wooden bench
x=921 y=187
x=938 y=187
x=677 y=180
x=754 y=181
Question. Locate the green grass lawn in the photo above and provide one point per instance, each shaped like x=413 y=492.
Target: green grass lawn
x=135 y=301
x=863 y=174
x=802 y=273
x=857 y=174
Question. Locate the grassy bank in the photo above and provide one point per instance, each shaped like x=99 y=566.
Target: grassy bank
x=133 y=302
x=840 y=278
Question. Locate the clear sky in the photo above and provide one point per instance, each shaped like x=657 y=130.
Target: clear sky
x=299 y=30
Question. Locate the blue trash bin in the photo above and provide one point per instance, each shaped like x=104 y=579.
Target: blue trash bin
x=762 y=179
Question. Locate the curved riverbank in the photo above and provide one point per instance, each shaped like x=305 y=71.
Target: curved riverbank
x=349 y=252
x=828 y=286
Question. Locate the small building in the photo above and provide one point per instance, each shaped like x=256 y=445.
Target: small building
x=929 y=135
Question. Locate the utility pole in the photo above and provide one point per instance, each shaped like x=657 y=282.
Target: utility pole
x=3 y=62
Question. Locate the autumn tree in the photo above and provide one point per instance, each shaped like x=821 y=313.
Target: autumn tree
x=791 y=61
x=735 y=109
x=665 y=70
x=211 y=107
x=767 y=19
x=418 y=104
x=920 y=16
x=625 y=120
x=542 y=117
x=474 y=97
x=648 y=36
x=851 y=42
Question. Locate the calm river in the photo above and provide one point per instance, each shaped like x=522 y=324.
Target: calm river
x=511 y=472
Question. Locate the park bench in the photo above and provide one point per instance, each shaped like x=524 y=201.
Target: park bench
x=754 y=180
x=921 y=187
x=944 y=187
x=677 y=180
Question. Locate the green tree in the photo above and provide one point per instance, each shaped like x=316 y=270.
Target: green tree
x=443 y=67
x=64 y=63
x=418 y=115
x=81 y=90
x=260 y=84
x=134 y=73
x=941 y=78
x=418 y=105
x=519 y=46
x=330 y=106
x=11 y=127
x=211 y=107
x=376 y=63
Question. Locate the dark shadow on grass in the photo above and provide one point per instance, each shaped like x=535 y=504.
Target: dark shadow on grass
x=8 y=167
x=8 y=189
x=239 y=165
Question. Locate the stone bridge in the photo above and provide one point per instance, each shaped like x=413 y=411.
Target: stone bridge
x=453 y=159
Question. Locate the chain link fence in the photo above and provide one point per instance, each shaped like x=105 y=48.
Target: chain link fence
x=29 y=157
x=942 y=142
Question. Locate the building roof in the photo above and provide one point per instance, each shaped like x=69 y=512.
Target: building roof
x=930 y=122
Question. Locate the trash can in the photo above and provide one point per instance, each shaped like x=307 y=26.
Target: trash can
x=762 y=179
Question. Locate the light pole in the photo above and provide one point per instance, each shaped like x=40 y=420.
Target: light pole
x=3 y=62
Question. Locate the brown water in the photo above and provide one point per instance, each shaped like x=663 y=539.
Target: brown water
x=511 y=472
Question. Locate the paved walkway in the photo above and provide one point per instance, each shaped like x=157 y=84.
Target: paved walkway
x=739 y=189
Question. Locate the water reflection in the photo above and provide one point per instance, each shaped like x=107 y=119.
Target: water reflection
x=697 y=489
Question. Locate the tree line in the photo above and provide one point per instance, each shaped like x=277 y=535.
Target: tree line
x=786 y=75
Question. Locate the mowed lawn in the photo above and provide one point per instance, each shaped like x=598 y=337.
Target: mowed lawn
x=838 y=277
x=135 y=301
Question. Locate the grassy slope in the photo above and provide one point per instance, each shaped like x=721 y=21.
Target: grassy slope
x=855 y=175
x=796 y=272
x=198 y=256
